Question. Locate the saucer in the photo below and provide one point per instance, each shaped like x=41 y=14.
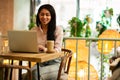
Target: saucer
x=50 y=51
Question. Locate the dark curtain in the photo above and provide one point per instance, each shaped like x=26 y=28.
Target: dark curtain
x=78 y=8
x=32 y=8
x=33 y=4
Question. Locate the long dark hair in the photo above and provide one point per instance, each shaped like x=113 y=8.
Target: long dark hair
x=52 y=24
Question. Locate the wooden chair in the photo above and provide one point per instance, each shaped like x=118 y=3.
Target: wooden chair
x=65 y=65
x=7 y=68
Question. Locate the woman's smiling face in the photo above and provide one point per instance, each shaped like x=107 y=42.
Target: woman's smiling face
x=45 y=17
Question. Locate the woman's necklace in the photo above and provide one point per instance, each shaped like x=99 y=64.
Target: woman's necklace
x=44 y=30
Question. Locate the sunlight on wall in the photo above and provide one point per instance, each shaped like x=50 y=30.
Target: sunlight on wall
x=21 y=14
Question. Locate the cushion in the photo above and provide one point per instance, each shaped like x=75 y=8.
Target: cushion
x=49 y=68
x=64 y=76
x=48 y=72
x=49 y=76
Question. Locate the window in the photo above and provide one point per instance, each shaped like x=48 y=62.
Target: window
x=66 y=9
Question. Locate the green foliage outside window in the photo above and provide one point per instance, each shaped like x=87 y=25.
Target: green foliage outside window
x=76 y=26
x=32 y=23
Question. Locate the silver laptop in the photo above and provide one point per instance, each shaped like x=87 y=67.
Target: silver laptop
x=23 y=41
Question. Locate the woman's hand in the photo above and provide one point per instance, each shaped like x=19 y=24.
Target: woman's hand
x=42 y=48
x=108 y=78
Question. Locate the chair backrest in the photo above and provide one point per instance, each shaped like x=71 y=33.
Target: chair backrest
x=5 y=70
x=65 y=63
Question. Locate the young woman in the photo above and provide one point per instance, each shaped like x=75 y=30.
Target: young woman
x=47 y=30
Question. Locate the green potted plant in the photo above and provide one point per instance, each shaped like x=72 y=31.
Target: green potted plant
x=76 y=27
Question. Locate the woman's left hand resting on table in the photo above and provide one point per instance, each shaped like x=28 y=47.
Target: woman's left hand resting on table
x=44 y=49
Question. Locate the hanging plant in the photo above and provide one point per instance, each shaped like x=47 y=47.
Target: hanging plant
x=87 y=21
x=76 y=26
x=87 y=31
x=107 y=17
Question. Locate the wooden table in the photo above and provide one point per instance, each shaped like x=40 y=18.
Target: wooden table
x=32 y=57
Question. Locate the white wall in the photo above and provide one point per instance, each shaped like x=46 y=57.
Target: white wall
x=21 y=14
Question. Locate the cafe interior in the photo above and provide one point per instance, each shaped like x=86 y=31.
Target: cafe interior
x=91 y=32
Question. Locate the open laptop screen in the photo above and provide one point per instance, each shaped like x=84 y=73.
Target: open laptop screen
x=22 y=41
